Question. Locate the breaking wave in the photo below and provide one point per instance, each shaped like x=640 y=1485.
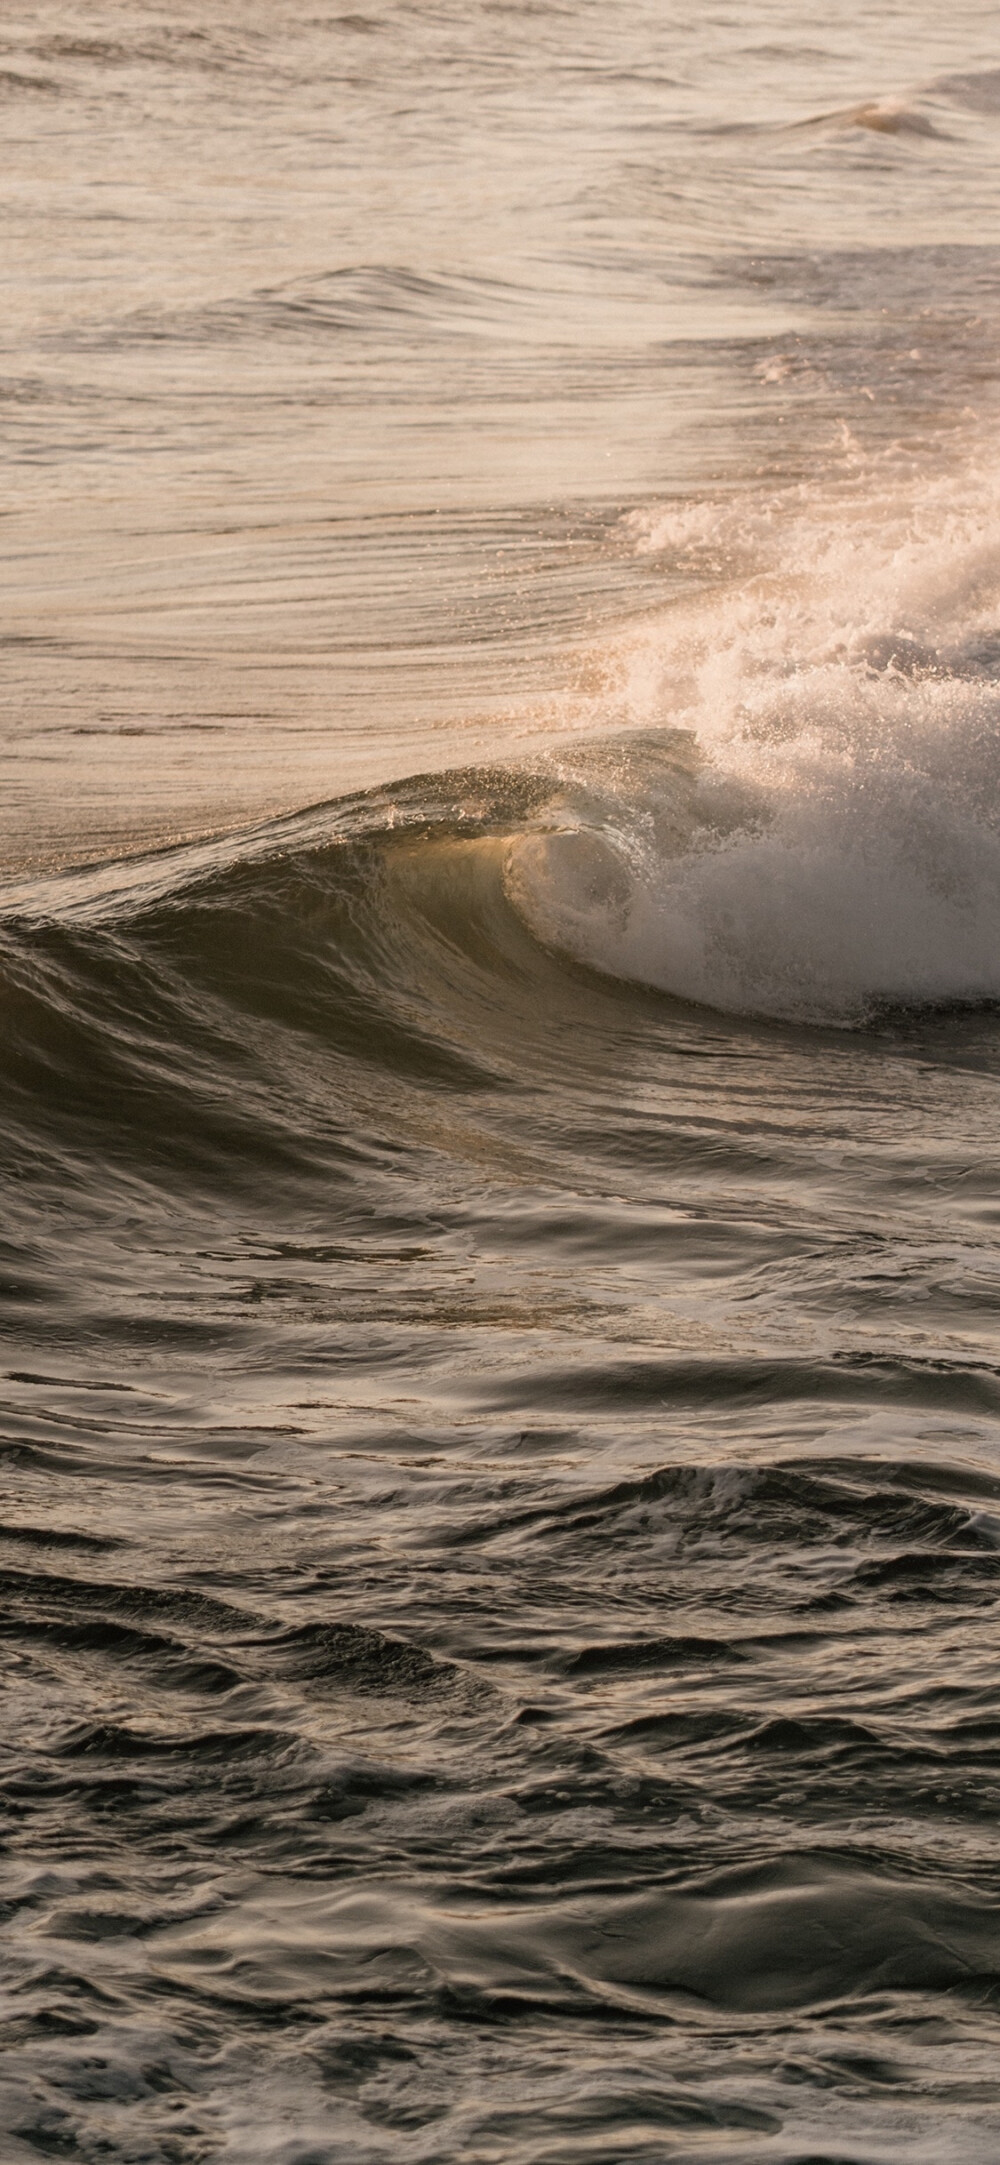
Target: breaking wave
x=819 y=837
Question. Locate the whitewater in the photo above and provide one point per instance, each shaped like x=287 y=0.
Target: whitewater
x=811 y=831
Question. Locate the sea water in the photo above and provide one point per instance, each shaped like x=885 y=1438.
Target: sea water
x=499 y=964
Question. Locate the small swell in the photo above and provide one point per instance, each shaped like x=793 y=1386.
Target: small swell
x=795 y=1933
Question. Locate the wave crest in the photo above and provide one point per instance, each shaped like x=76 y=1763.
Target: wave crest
x=830 y=843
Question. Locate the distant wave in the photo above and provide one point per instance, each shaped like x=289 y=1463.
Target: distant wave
x=977 y=89
x=367 y=299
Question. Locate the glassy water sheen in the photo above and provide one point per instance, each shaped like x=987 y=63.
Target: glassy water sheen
x=499 y=964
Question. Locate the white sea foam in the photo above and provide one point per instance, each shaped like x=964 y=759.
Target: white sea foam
x=829 y=842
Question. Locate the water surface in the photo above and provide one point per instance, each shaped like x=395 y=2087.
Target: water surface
x=499 y=967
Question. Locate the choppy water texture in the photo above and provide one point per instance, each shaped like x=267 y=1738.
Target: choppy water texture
x=499 y=963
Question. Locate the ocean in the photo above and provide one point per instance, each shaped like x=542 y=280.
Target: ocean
x=499 y=1062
